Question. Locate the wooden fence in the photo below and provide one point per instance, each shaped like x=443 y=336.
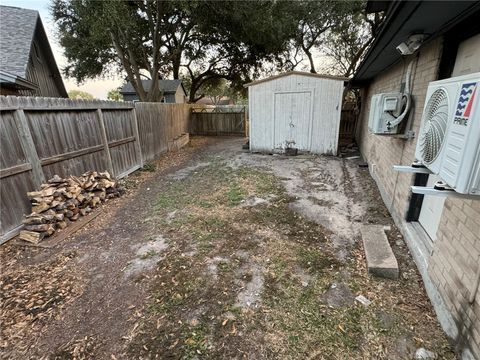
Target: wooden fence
x=41 y=137
x=159 y=125
x=348 y=123
x=218 y=121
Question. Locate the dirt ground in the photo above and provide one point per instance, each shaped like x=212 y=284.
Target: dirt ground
x=216 y=253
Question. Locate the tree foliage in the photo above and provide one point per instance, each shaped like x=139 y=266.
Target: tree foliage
x=114 y=94
x=200 y=41
x=206 y=39
x=79 y=94
x=348 y=42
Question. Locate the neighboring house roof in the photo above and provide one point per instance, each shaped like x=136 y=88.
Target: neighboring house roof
x=403 y=19
x=11 y=80
x=17 y=31
x=303 y=73
x=17 y=27
x=167 y=86
x=226 y=101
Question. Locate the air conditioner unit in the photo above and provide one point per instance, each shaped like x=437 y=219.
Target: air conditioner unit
x=382 y=108
x=449 y=140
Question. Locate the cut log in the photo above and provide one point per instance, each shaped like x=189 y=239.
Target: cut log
x=56 y=179
x=67 y=198
x=31 y=236
x=37 y=209
x=37 y=228
x=50 y=230
x=33 y=194
x=61 y=224
x=34 y=220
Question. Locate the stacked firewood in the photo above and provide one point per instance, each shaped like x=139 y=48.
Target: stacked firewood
x=63 y=200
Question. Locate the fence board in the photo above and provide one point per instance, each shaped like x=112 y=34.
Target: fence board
x=348 y=122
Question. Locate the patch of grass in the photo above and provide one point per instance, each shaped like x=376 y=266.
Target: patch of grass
x=235 y=194
x=305 y=326
x=148 y=254
x=223 y=266
x=315 y=260
x=167 y=201
x=149 y=167
x=165 y=305
x=235 y=310
x=205 y=204
x=195 y=342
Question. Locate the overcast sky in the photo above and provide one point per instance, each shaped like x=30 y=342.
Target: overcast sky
x=98 y=88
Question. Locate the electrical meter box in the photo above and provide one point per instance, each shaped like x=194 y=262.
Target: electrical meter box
x=380 y=105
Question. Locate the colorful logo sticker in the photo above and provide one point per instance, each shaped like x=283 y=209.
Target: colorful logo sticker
x=465 y=103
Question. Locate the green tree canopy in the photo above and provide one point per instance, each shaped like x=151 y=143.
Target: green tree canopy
x=200 y=41
x=204 y=39
x=115 y=95
x=79 y=94
x=347 y=43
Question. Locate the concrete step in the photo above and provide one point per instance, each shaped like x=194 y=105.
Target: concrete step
x=380 y=258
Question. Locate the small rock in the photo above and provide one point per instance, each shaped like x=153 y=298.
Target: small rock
x=424 y=354
x=363 y=300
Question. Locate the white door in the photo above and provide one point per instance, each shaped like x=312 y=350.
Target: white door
x=431 y=211
x=467 y=57
x=292 y=119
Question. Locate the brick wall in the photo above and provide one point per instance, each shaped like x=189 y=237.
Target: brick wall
x=454 y=267
x=454 y=260
x=383 y=151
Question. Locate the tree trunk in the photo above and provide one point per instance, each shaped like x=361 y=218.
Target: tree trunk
x=310 y=59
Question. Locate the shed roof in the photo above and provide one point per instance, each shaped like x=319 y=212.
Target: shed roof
x=303 y=73
x=17 y=27
x=167 y=86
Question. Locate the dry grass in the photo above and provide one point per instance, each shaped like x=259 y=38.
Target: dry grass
x=195 y=311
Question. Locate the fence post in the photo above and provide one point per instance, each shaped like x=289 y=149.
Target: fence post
x=137 y=138
x=105 y=141
x=29 y=147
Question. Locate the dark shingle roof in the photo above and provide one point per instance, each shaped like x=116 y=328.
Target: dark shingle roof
x=17 y=27
x=167 y=86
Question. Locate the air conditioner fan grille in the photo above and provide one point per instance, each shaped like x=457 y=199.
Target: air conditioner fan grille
x=434 y=126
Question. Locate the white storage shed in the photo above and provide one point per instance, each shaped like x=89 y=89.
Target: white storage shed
x=295 y=110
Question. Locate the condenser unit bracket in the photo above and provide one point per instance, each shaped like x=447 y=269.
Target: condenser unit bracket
x=434 y=191
x=412 y=169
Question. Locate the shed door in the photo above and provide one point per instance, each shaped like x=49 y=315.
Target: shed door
x=292 y=120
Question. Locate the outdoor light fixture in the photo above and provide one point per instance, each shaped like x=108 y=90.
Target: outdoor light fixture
x=411 y=45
